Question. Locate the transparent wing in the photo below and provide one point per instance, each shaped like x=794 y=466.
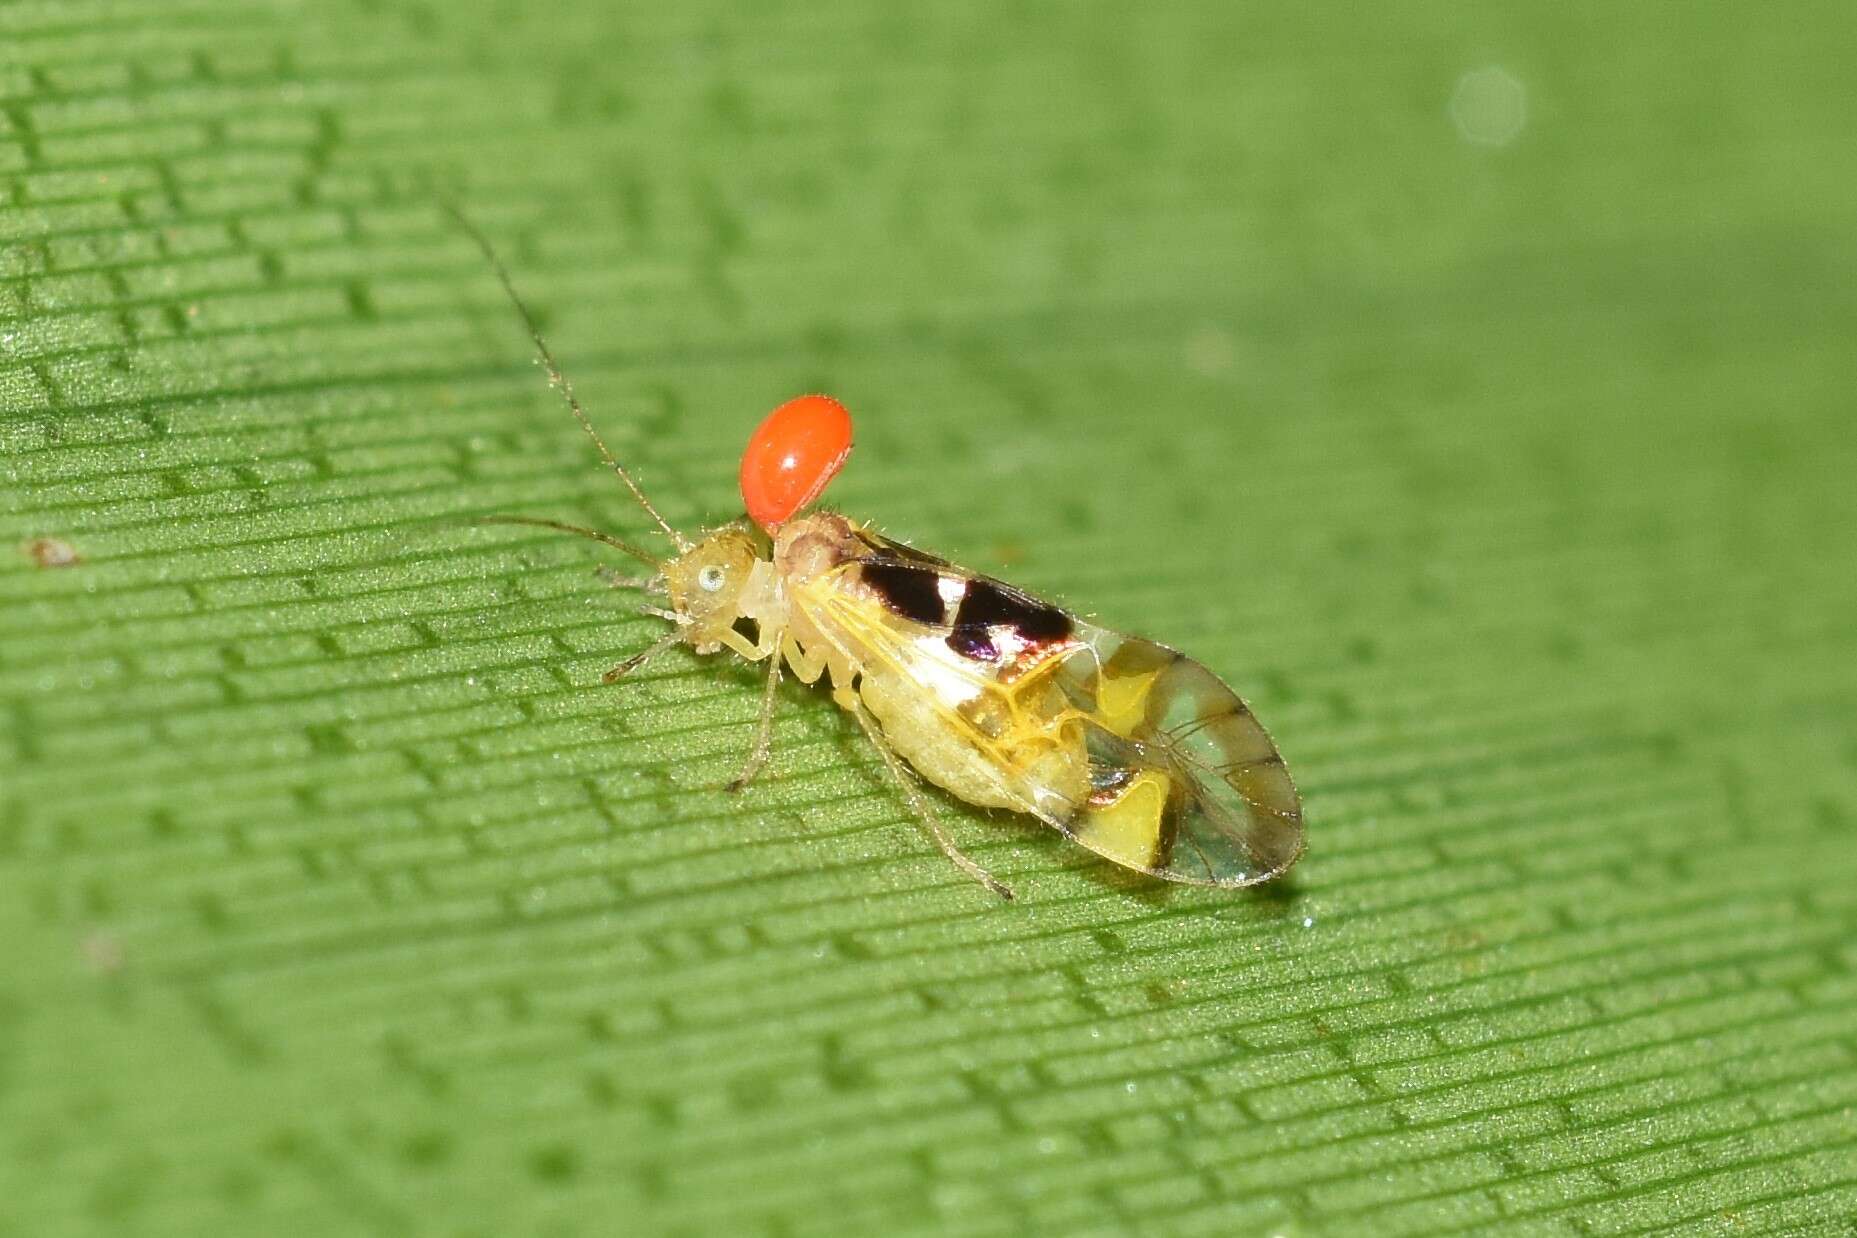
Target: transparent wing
x=1185 y=783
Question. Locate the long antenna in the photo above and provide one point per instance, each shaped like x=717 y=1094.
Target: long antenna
x=579 y=531
x=556 y=378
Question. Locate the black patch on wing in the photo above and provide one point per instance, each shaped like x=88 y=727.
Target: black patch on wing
x=988 y=604
x=910 y=591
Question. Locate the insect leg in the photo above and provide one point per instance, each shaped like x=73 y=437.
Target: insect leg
x=641 y=657
x=919 y=805
x=808 y=667
x=764 y=728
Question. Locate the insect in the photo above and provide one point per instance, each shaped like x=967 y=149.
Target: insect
x=1123 y=745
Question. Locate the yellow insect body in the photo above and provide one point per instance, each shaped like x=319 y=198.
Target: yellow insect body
x=1128 y=747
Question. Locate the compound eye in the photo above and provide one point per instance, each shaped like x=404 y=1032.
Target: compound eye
x=711 y=579
x=791 y=456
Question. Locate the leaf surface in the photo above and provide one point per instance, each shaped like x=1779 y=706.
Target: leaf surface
x=1471 y=391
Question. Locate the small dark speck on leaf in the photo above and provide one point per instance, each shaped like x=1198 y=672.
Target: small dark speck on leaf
x=553 y=1164
x=426 y=1148
x=51 y=552
x=1076 y=516
x=1161 y=992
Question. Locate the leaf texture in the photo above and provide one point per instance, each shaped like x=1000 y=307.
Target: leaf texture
x=1470 y=388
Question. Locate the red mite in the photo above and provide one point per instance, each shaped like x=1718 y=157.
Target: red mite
x=790 y=457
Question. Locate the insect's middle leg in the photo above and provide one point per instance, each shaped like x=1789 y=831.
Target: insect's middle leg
x=764 y=726
x=767 y=644
x=847 y=697
x=807 y=667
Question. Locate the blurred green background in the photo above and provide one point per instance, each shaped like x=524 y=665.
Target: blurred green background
x=1469 y=385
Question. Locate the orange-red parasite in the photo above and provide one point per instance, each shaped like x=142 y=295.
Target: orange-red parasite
x=790 y=457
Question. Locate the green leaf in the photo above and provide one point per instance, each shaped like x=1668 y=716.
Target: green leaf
x=1471 y=388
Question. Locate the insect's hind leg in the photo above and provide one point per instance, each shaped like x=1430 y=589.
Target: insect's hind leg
x=913 y=793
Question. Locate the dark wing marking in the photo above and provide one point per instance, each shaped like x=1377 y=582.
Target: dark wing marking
x=908 y=590
x=991 y=617
x=990 y=605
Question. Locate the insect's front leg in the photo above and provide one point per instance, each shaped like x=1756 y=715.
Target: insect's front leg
x=668 y=641
x=765 y=645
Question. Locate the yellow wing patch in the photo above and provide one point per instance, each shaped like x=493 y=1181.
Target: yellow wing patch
x=1127 y=827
